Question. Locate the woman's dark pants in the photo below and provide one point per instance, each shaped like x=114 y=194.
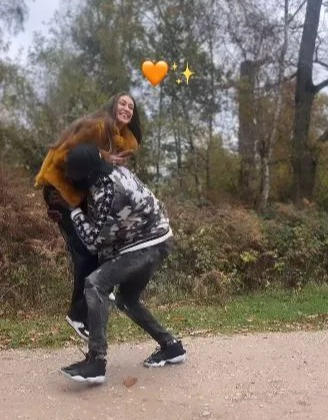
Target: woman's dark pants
x=83 y=261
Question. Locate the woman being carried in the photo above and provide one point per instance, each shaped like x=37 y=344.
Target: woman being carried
x=115 y=130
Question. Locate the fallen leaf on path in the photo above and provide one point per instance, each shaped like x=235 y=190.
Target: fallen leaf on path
x=129 y=381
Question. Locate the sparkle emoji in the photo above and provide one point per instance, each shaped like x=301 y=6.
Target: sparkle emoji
x=174 y=66
x=187 y=73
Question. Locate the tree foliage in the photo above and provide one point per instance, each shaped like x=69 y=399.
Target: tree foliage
x=194 y=131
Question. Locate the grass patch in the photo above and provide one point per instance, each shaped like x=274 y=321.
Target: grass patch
x=276 y=310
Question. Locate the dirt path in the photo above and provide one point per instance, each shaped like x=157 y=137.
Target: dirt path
x=258 y=376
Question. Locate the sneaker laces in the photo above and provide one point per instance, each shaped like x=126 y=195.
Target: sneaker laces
x=156 y=351
x=87 y=355
x=83 y=352
x=164 y=346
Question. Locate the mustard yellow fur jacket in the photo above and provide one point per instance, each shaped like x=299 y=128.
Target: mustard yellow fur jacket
x=52 y=171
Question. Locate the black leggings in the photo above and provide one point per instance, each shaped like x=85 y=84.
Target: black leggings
x=83 y=261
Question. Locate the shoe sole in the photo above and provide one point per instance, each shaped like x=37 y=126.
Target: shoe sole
x=71 y=323
x=96 y=380
x=174 y=361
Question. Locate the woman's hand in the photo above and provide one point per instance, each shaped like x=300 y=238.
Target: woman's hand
x=56 y=200
x=121 y=158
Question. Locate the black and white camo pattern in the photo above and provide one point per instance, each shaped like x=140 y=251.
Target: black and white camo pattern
x=124 y=212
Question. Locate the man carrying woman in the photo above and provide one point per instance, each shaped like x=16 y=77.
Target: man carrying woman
x=131 y=233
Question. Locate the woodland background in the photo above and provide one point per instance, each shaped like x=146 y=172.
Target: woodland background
x=239 y=155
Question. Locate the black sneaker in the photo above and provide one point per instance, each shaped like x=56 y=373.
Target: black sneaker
x=79 y=328
x=91 y=370
x=172 y=353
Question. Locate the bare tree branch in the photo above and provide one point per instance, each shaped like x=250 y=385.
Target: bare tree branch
x=234 y=36
x=297 y=11
x=321 y=63
x=167 y=25
x=320 y=86
x=297 y=27
x=323 y=138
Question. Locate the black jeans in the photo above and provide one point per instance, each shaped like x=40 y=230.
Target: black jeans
x=131 y=272
x=83 y=261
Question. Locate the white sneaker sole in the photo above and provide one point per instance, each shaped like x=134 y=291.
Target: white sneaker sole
x=95 y=380
x=76 y=325
x=174 y=361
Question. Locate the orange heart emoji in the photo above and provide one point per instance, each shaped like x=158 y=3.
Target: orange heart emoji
x=154 y=72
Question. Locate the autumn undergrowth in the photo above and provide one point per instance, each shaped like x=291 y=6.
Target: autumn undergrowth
x=273 y=310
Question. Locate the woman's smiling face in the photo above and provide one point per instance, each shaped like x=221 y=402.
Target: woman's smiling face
x=124 y=111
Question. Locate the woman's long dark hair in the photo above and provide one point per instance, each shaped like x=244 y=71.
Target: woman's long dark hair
x=108 y=112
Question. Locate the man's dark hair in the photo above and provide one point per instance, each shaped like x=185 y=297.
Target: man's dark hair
x=84 y=162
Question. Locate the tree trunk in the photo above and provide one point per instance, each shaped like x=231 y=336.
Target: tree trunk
x=246 y=134
x=265 y=156
x=265 y=183
x=209 y=153
x=159 y=141
x=177 y=141
x=303 y=158
x=211 y=112
x=195 y=169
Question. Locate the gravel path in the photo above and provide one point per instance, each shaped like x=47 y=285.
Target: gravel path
x=255 y=376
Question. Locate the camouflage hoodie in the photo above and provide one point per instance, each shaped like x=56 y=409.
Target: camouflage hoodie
x=125 y=216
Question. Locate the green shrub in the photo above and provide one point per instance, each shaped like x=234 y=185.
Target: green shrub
x=219 y=252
